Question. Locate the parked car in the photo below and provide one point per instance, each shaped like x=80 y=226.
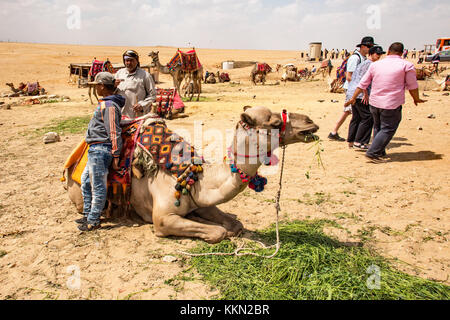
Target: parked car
x=445 y=56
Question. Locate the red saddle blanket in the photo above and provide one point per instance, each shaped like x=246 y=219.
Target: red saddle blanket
x=264 y=67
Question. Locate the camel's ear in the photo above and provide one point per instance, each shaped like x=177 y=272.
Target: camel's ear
x=247 y=119
x=275 y=123
x=247 y=107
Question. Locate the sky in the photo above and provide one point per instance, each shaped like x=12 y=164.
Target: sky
x=225 y=24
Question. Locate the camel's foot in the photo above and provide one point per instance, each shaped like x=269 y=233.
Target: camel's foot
x=175 y=225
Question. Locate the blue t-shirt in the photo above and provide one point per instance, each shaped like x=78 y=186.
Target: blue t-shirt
x=357 y=75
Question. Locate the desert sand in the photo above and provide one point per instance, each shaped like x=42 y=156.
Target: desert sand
x=399 y=208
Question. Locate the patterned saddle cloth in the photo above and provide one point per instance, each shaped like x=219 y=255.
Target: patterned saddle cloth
x=166 y=101
x=187 y=60
x=100 y=66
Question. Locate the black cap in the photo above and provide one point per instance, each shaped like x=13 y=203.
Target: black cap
x=377 y=50
x=367 y=41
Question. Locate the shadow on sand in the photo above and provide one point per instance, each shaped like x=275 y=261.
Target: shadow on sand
x=414 y=156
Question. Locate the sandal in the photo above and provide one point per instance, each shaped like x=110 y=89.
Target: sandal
x=361 y=147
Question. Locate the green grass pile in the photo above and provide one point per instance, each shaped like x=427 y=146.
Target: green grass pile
x=310 y=265
x=72 y=125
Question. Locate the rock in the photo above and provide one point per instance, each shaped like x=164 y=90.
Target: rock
x=8 y=107
x=320 y=100
x=431 y=116
x=334 y=101
x=419 y=128
x=169 y=259
x=51 y=137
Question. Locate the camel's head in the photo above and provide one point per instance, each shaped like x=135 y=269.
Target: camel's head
x=154 y=55
x=293 y=127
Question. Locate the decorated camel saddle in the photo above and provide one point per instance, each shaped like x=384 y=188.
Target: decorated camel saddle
x=188 y=61
x=148 y=146
x=168 y=101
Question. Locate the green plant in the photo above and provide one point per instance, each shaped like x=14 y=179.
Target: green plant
x=309 y=265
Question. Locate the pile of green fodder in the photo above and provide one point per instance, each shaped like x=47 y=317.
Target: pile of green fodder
x=310 y=265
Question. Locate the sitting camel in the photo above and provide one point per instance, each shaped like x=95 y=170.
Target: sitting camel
x=153 y=197
x=210 y=77
x=29 y=89
x=290 y=73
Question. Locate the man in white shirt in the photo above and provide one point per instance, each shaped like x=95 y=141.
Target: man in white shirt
x=355 y=59
x=136 y=86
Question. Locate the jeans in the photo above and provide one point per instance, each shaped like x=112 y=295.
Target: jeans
x=386 y=122
x=94 y=181
x=360 y=127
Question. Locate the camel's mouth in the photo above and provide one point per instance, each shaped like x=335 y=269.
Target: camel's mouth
x=308 y=135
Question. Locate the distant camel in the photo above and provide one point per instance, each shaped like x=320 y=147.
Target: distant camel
x=176 y=73
x=259 y=72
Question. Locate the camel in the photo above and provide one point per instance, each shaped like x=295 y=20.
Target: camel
x=290 y=73
x=211 y=78
x=259 y=72
x=20 y=89
x=177 y=74
x=223 y=77
x=197 y=214
x=29 y=89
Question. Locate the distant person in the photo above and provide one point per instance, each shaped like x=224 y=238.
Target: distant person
x=136 y=85
x=105 y=143
x=389 y=78
x=360 y=127
x=435 y=61
x=405 y=54
x=355 y=59
x=421 y=57
x=413 y=54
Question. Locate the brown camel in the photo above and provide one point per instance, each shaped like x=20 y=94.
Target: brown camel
x=153 y=200
x=176 y=73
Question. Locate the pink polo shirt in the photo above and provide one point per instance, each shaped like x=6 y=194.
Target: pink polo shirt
x=390 y=77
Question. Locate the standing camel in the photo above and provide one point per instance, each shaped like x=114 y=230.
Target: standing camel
x=176 y=73
x=259 y=72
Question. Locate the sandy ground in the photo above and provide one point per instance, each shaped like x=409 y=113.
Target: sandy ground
x=399 y=208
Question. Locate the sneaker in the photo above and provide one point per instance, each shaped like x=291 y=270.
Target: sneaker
x=88 y=227
x=375 y=159
x=81 y=220
x=335 y=137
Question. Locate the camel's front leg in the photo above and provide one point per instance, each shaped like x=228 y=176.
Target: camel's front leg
x=171 y=224
x=215 y=215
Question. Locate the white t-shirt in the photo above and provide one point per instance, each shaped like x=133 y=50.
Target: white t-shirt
x=354 y=60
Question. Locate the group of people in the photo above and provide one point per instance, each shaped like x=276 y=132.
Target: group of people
x=375 y=93
x=126 y=95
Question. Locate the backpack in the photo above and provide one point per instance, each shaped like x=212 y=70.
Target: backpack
x=340 y=71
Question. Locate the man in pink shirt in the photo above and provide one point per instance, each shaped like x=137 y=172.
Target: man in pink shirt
x=389 y=78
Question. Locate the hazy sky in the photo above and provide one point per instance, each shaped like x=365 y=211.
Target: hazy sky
x=229 y=24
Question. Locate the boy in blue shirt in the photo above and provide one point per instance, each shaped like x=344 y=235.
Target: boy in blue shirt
x=105 y=143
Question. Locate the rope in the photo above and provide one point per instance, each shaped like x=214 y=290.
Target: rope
x=240 y=248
